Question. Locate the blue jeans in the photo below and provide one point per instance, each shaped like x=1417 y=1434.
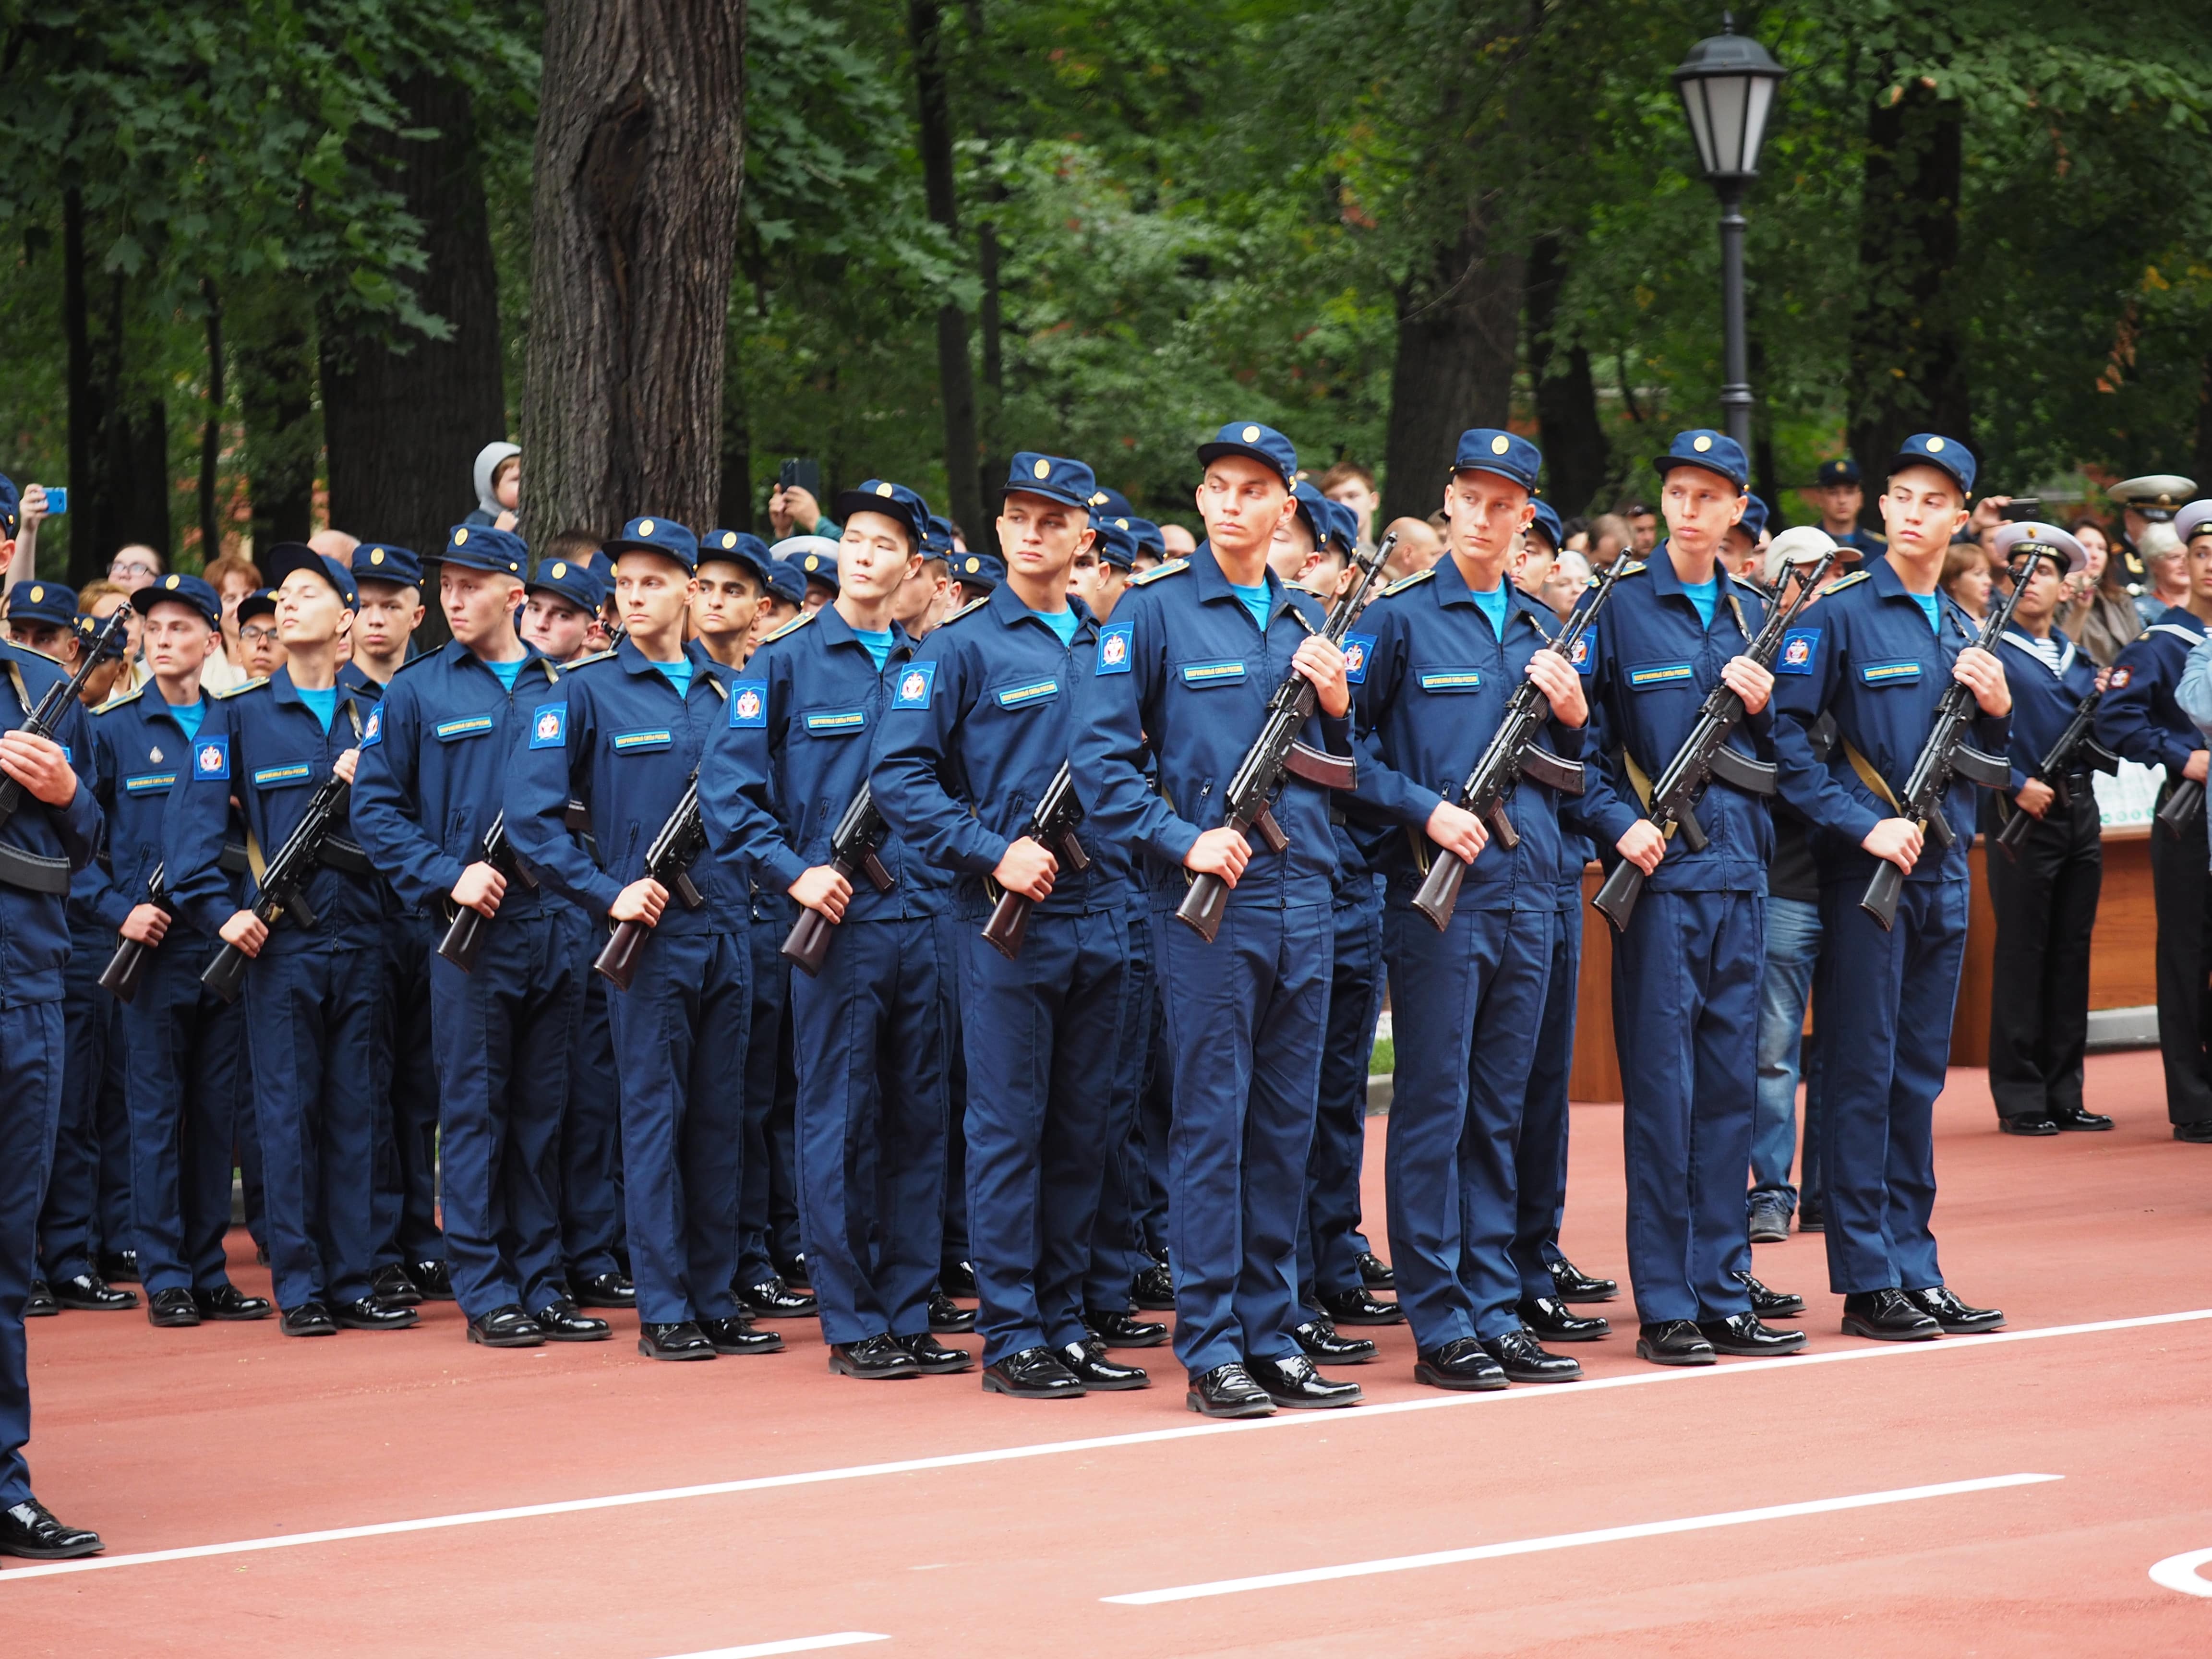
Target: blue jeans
x=1793 y=944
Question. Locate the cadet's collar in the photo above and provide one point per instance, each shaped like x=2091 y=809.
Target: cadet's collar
x=1006 y=608
x=1213 y=582
x=832 y=628
x=2026 y=644
x=1665 y=579
x=1450 y=584
x=456 y=652
x=281 y=686
x=2182 y=616
x=1882 y=577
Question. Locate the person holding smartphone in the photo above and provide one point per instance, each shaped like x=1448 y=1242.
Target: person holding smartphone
x=795 y=507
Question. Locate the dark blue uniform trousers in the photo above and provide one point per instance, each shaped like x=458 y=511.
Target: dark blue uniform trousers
x=1043 y=1033
x=503 y=1033
x=185 y=1081
x=1244 y=1021
x=1884 y=1028
x=679 y=1034
x=591 y=1180
x=870 y=1039
x=30 y=1106
x=1686 y=981
x=1466 y=1000
x=74 y=1223
x=1330 y=1239
x=767 y=1056
x=953 y=1246
x=1539 y=1161
x=1117 y=1245
x=312 y=1021
x=407 y=1149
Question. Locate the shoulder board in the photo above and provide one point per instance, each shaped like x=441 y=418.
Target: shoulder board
x=122 y=697
x=584 y=662
x=1635 y=568
x=253 y=684
x=414 y=661
x=791 y=627
x=1413 y=581
x=967 y=609
x=1171 y=568
x=1843 y=582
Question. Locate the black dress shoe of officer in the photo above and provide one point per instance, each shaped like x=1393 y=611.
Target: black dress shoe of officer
x=1769 y=1303
x=1462 y=1364
x=561 y=1322
x=308 y=1319
x=1123 y=1330
x=1228 y=1391
x=1293 y=1381
x=603 y=1291
x=38 y=1302
x=172 y=1309
x=1741 y=1334
x=681 y=1340
x=2073 y=1117
x=1553 y=1320
x=872 y=1359
x=1032 y=1374
x=433 y=1278
x=1522 y=1359
x=507 y=1327
x=392 y=1287
x=370 y=1314
x=1356 y=1307
x=90 y=1293
x=734 y=1335
x=934 y=1357
x=957 y=1279
x=28 y=1529
x=949 y=1316
x=117 y=1266
x=1376 y=1273
x=774 y=1299
x=1154 y=1289
x=1570 y=1284
x=2197 y=1133
x=1672 y=1342
x=1319 y=1341
x=227 y=1301
x=1887 y=1316
x=1956 y=1318
x=2033 y=1124
x=1088 y=1363
x=794 y=1272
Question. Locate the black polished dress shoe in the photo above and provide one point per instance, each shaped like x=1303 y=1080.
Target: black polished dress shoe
x=680 y=1339
x=2196 y=1134
x=2076 y=1118
x=433 y=1278
x=2033 y=1124
x=1319 y=1341
x=1374 y=1273
x=957 y=1279
x=507 y=1327
x=28 y=1529
x=227 y=1301
x=172 y=1309
x=561 y=1322
x=1570 y=1284
x=1227 y=1391
x=392 y=1287
x=949 y=1316
x=1553 y=1320
x=1956 y=1318
x=1087 y=1363
x=117 y=1266
x=1462 y=1364
x=602 y=1290
x=1356 y=1307
x=774 y=1299
x=1294 y=1382
x=1153 y=1290
x=1032 y=1374
x=38 y=1302
x=1742 y=1335
x=734 y=1335
x=1522 y=1359
x=872 y=1359
x=1123 y=1330
x=934 y=1358
x=370 y=1314
x=1672 y=1342
x=308 y=1319
x=1769 y=1303
x=794 y=1272
x=1887 y=1316
x=90 y=1293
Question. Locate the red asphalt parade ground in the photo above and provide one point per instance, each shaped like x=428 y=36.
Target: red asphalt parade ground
x=2006 y=1495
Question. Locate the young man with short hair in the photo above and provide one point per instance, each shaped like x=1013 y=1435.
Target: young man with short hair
x=732 y=581
x=1842 y=499
x=261 y=648
x=391 y=608
x=1351 y=487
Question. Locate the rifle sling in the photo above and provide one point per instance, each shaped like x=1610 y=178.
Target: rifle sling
x=1872 y=779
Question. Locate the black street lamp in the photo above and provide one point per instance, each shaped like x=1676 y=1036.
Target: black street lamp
x=1727 y=85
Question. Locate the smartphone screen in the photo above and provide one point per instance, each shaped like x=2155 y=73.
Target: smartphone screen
x=56 y=501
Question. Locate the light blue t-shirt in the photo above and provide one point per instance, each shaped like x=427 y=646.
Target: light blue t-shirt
x=190 y=714
x=1933 y=607
x=1492 y=605
x=1706 y=596
x=1255 y=601
x=678 y=672
x=877 y=641
x=1061 y=621
x=323 y=705
x=507 y=671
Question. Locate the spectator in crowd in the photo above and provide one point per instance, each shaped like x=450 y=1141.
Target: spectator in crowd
x=233 y=576
x=334 y=544
x=1178 y=541
x=100 y=601
x=135 y=567
x=261 y=653
x=1418 y=547
x=2169 y=572
x=1568 y=581
x=793 y=511
x=499 y=486
x=1575 y=533
x=2100 y=614
x=1608 y=534
x=1350 y=484
x=1966 y=577
x=1642 y=522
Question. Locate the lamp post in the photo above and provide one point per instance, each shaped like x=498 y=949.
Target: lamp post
x=1727 y=87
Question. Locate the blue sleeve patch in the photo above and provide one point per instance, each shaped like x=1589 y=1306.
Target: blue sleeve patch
x=211 y=759
x=1798 y=647
x=1116 y=641
x=372 y=730
x=749 y=704
x=916 y=681
x=548 y=725
x=1585 y=656
x=1358 y=648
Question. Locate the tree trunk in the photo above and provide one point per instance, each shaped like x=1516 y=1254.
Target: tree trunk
x=1458 y=321
x=212 y=431
x=735 y=492
x=1908 y=359
x=1576 y=457
x=639 y=158
x=404 y=416
x=2203 y=461
x=955 y=378
x=85 y=560
x=276 y=394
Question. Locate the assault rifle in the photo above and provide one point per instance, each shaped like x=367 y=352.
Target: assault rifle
x=2076 y=747
x=852 y=845
x=1052 y=826
x=126 y=969
x=668 y=860
x=463 y=939
x=283 y=884
x=32 y=871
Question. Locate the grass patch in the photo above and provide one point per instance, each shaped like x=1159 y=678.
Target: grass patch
x=1384 y=1061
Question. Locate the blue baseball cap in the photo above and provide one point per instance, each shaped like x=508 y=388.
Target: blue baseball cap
x=261 y=602
x=193 y=591
x=1053 y=476
x=976 y=570
x=1117 y=542
x=1149 y=540
x=1715 y=452
x=478 y=547
x=653 y=535
x=1260 y=443
x=817 y=567
x=380 y=561
x=1547 y=525
x=286 y=557
x=1933 y=449
x=895 y=501
x=1842 y=470
x=575 y=581
x=787 y=580
x=43 y=602
x=937 y=543
x=1314 y=509
x=1754 y=517
x=11 y=507
x=1110 y=502
x=737 y=547
x=1492 y=449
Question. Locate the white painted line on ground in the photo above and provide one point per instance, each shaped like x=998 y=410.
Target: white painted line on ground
x=1569 y=1540
x=843 y=1638
x=2179 y=1573
x=1654 y=1377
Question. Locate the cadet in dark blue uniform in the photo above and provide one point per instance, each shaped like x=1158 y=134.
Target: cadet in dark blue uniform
x=1877 y=652
x=58 y=821
x=184 y=1047
x=2044 y=899
x=869 y=1030
x=622 y=732
x=432 y=779
x=977 y=727
x=2140 y=720
x=1434 y=661
x=311 y=994
x=1686 y=969
x=1841 y=497
x=1184 y=673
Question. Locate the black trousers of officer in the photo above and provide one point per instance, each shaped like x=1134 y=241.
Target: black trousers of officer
x=2181 y=888
x=2045 y=903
